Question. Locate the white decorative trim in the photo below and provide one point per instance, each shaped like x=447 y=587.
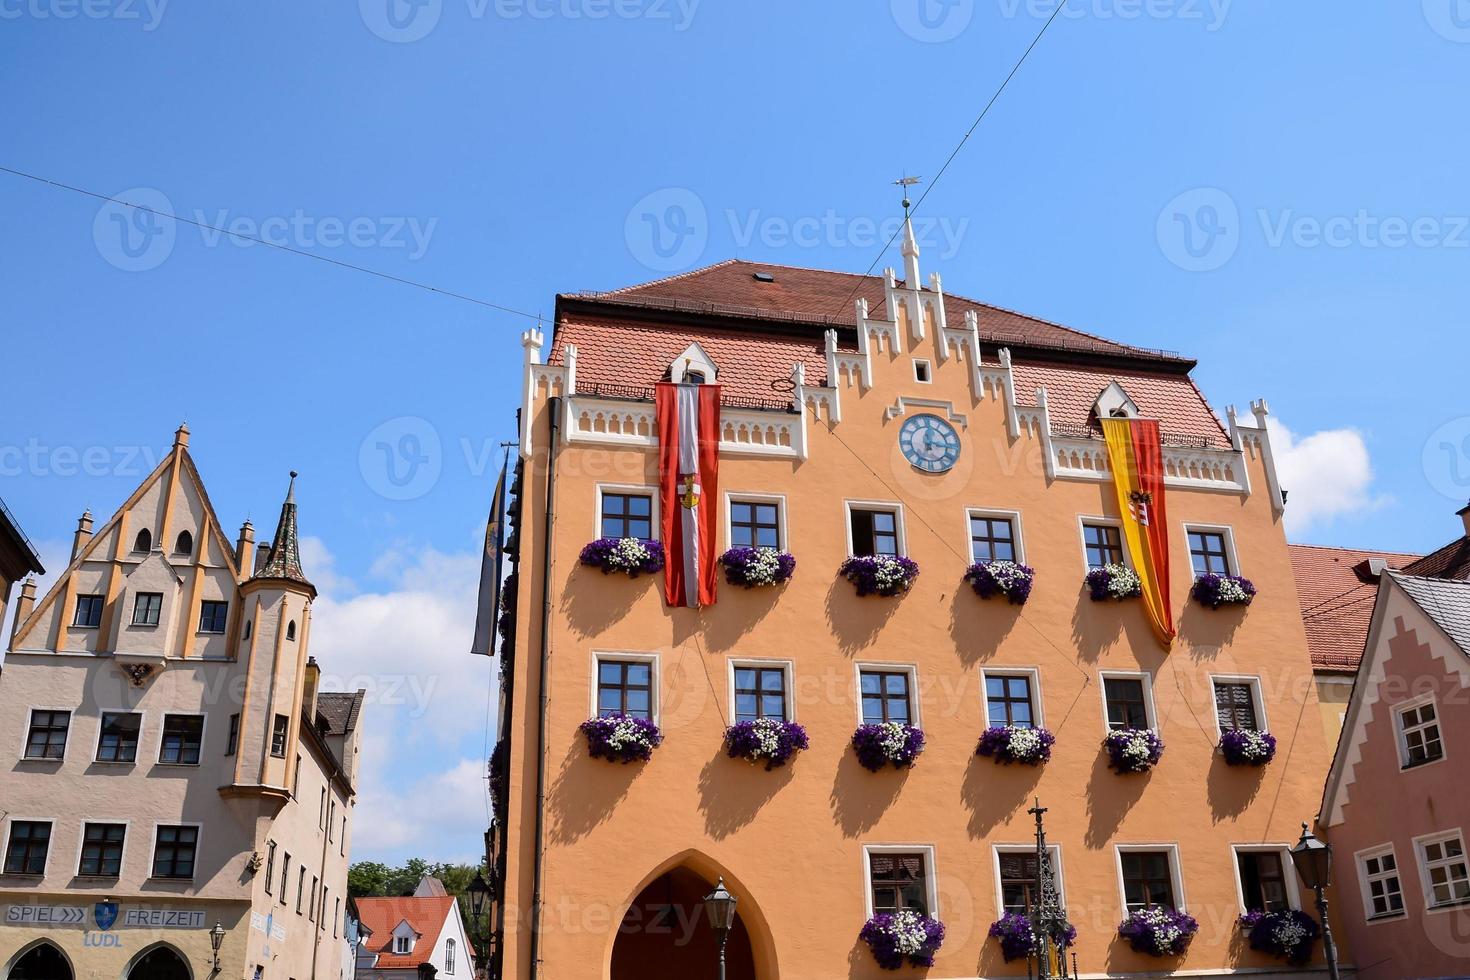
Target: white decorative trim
x=788 y=667
x=931 y=873
x=1288 y=871
x=693 y=358
x=1421 y=864
x=651 y=492
x=1018 y=536
x=1365 y=891
x=1151 y=714
x=655 y=700
x=1176 y=873
x=733 y=497
x=1033 y=676
x=1058 y=878
x=902 y=405
x=898 y=525
x=1232 y=557
x=1258 y=702
x=892 y=668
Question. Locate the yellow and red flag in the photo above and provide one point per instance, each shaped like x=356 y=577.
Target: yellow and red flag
x=1137 y=458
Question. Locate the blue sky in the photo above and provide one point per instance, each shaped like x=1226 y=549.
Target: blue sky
x=1277 y=189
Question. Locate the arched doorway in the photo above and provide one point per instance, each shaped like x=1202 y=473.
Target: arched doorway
x=160 y=963
x=44 y=962
x=665 y=934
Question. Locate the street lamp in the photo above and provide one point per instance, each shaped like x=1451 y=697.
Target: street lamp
x=719 y=905
x=479 y=892
x=1313 y=861
x=216 y=939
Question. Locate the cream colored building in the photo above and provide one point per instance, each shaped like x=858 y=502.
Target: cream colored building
x=167 y=763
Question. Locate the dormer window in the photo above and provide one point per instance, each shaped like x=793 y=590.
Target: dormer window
x=144 y=541
x=693 y=367
x=695 y=378
x=184 y=543
x=1114 y=403
x=402 y=944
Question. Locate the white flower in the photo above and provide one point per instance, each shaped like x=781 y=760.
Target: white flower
x=628 y=554
x=627 y=733
x=1023 y=743
x=1254 y=745
x=908 y=932
x=1122 y=581
x=1007 y=574
x=768 y=736
x=1230 y=591
x=892 y=739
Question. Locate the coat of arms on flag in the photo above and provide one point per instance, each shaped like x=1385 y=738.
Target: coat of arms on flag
x=688 y=466
x=1135 y=453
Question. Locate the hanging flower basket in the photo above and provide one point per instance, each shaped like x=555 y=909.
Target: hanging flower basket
x=1287 y=934
x=621 y=738
x=765 y=740
x=1007 y=578
x=898 y=936
x=1222 y=590
x=630 y=556
x=1018 y=939
x=1114 y=581
x=1133 y=749
x=1158 y=931
x=1009 y=743
x=884 y=575
x=752 y=567
x=1247 y=748
x=878 y=745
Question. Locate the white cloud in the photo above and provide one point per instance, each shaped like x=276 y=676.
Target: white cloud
x=1328 y=475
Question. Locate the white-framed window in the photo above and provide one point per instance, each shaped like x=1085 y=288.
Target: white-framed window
x=46 y=734
x=923 y=371
x=626 y=510
x=761 y=689
x=900 y=876
x=118 y=733
x=875 y=527
x=1265 y=879
x=1383 y=890
x=1211 y=549
x=887 y=692
x=1015 y=875
x=1443 y=869
x=1128 y=699
x=1012 y=697
x=175 y=850
x=995 y=535
x=27 y=846
x=1238 y=703
x=449 y=951
x=1417 y=722
x=1148 y=874
x=755 y=520
x=100 y=849
x=1102 y=542
x=625 y=683
x=402 y=944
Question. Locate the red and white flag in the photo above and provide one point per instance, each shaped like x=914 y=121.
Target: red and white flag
x=689 y=467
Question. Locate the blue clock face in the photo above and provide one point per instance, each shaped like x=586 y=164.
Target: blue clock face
x=929 y=443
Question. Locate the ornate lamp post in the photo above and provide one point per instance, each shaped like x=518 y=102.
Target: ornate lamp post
x=479 y=892
x=1313 y=861
x=216 y=940
x=1048 y=917
x=719 y=905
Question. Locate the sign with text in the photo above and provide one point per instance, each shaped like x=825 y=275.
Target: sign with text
x=46 y=915
x=164 y=918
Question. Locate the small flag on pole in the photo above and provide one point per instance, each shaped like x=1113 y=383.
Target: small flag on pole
x=487 y=614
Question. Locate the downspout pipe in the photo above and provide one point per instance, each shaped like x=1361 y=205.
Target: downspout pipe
x=553 y=408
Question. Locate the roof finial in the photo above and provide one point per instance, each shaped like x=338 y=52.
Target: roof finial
x=291 y=490
x=906 y=182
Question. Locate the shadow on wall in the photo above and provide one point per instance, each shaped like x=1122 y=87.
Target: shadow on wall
x=732 y=791
x=579 y=781
x=979 y=626
x=995 y=793
x=859 y=797
x=1232 y=788
x=737 y=613
x=1096 y=626
x=856 y=621
x=1207 y=631
x=589 y=608
x=1110 y=795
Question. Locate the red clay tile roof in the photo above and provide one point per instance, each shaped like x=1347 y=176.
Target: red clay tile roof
x=1337 y=600
x=1451 y=561
x=426 y=916
x=1071 y=392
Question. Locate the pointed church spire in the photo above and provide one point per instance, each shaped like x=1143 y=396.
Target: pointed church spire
x=283 y=561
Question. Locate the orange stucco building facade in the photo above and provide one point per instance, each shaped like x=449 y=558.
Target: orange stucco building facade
x=602 y=864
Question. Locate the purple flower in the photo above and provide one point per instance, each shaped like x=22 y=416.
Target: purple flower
x=750 y=567
x=1247 y=748
x=630 y=556
x=898 y=936
x=1114 y=581
x=1018 y=939
x=1287 y=934
x=1222 y=590
x=885 y=575
x=1158 y=931
x=765 y=739
x=1133 y=749
x=1011 y=743
x=1007 y=578
x=621 y=738
x=878 y=745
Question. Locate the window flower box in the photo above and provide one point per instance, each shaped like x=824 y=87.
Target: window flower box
x=896 y=937
x=767 y=740
x=621 y=738
x=752 y=567
x=1242 y=747
x=885 y=575
x=1158 y=931
x=1222 y=590
x=1006 y=578
x=878 y=745
x=1287 y=934
x=630 y=556
x=1018 y=939
x=1009 y=743
x=1114 y=581
x=1133 y=749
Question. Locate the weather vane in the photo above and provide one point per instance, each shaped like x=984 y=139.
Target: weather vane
x=906 y=182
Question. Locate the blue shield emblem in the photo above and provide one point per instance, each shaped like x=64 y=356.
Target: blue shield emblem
x=106 y=914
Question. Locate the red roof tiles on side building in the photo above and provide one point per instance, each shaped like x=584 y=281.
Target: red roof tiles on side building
x=427 y=917
x=1337 y=597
